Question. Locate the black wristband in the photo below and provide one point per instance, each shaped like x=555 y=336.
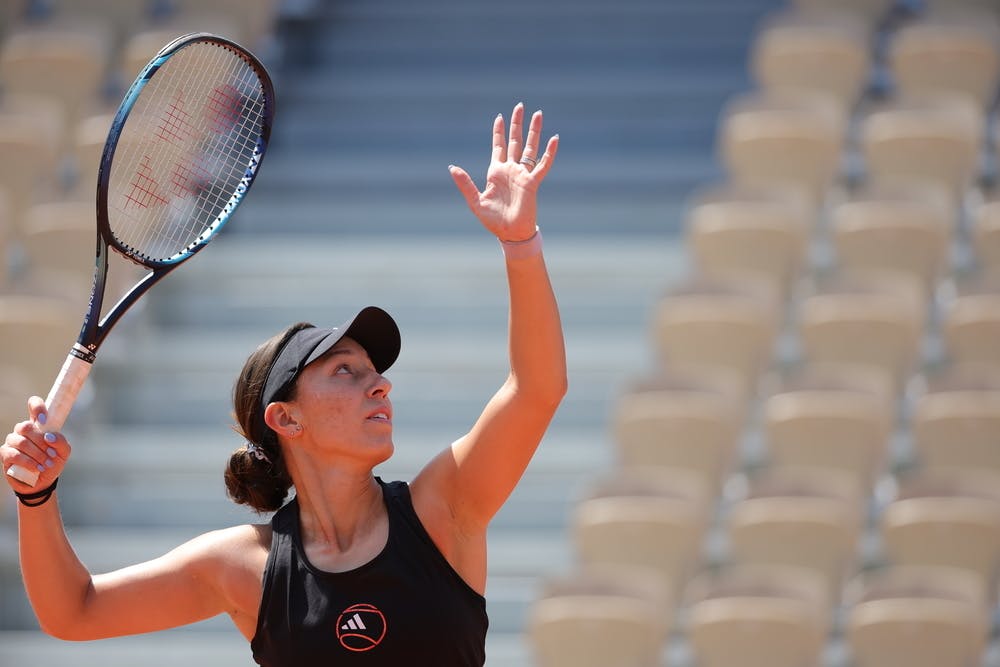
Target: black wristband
x=38 y=497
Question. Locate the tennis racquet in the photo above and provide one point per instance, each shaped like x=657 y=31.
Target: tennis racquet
x=183 y=149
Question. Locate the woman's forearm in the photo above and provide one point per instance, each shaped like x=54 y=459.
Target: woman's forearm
x=56 y=581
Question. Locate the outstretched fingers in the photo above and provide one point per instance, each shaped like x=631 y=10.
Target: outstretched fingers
x=499 y=140
x=545 y=162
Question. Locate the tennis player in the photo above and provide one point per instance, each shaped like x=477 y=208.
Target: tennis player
x=350 y=569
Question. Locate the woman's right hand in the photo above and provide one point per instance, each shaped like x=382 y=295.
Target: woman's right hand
x=30 y=447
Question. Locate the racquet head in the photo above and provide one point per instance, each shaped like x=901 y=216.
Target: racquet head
x=184 y=147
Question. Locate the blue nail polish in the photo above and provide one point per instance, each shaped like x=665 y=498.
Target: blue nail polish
x=51 y=452
x=49 y=437
x=49 y=463
x=42 y=418
x=40 y=467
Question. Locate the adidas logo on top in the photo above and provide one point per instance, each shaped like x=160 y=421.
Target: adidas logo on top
x=354 y=623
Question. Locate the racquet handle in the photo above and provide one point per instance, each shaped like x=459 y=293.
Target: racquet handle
x=58 y=404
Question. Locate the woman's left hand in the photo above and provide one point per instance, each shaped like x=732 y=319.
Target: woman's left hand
x=507 y=205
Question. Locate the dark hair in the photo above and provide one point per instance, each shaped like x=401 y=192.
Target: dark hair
x=251 y=480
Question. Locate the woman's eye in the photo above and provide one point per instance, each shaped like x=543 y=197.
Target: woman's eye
x=344 y=368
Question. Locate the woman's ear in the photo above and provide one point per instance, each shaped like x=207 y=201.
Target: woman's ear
x=281 y=419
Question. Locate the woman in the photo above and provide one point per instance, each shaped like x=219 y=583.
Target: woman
x=352 y=570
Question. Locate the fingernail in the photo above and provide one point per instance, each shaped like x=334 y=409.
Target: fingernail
x=49 y=463
x=42 y=418
x=49 y=437
x=40 y=467
x=51 y=452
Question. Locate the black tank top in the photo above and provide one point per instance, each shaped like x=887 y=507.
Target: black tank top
x=406 y=606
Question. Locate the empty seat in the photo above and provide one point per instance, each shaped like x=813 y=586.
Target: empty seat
x=661 y=533
x=935 y=140
x=89 y=137
x=254 y=20
x=950 y=55
x=875 y=322
x=763 y=616
x=783 y=139
x=751 y=234
x=829 y=425
x=986 y=237
x=679 y=424
x=600 y=616
x=957 y=426
x=917 y=616
x=29 y=131
x=829 y=54
x=36 y=334
x=66 y=63
x=946 y=526
x=894 y=229
x=808 y=529
x=716 y=327
x=971 y=329
x=142 y=45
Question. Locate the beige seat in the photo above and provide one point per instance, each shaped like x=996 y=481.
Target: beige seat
x=751 y=234
x=971 y=329
x=29 y=144
x=922 y=616
x=254 y=21
x=660 y=533
x=865 y=321
x=946 y=55
x=831 y=426
x=36 y=334
x=681 y=425
x=600 y=616
x=783 y=139
x=808 y=529
x=936 y=140
x=716 y=327
x=89 y=137
x=946 y=527
x=59 y=241
x=142 y=45
x=64 y=62
x=894 y=229
x=956 y=427
x=800 y=51
x=758 y=616
x=986 y=237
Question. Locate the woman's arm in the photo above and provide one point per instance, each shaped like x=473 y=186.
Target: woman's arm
x=476 y=475
x=178 y=588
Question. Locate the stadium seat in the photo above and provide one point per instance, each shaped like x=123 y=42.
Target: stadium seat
x=806 y=528
x=985 y=244
x=751 y=234
x=971 y=329
x=716 y=327
x=141 y=46
x=757 y=616
x=36 y=334
x=951 y=527
x=64 y=62
x=661 y=533
x=254 y=20
x=598 y=616
x=872 y=12
x=920 y=616
x=935 y=140
x=957 y=427
x=864 y=321
x=829 y=426
x=29 y=143
x=894 y=229
x=804 y=52
x=59 y=240
x=783 y=139
x=679 y=424
x=946 y=55
x=89 y=137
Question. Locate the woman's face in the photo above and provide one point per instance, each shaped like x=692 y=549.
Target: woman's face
x=341 y=401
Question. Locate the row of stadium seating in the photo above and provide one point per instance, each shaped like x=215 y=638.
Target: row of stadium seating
x=811 y=475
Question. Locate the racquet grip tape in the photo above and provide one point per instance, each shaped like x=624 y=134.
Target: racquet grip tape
x=22 y=474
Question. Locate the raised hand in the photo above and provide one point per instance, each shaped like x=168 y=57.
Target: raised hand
x=507 y=205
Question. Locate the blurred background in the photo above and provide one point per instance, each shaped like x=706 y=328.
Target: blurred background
x=773 y=234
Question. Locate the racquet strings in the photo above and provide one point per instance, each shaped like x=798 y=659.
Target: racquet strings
x=184 y=149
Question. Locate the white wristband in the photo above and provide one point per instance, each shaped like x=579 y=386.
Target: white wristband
x=520 y=249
